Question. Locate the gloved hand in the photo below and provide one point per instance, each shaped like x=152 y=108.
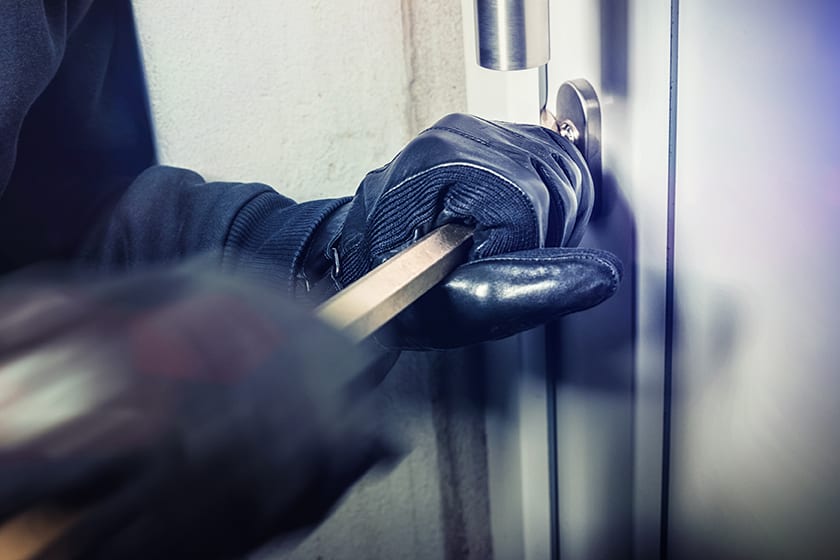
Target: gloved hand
x=529 y=194
x=180 y=414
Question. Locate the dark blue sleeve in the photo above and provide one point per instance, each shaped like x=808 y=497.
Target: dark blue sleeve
x=169 y=214
x=78 y=180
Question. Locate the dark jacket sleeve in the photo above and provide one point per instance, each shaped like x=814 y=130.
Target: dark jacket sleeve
x=168 y=214
x=78 y=180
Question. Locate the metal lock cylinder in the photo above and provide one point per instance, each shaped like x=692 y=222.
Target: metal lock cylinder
x=512 y=34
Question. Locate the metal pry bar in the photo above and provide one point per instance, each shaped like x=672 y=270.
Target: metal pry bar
x=376 y=298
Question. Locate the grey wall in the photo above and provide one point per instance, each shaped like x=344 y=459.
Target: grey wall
x=306 y=96
x=309 y=96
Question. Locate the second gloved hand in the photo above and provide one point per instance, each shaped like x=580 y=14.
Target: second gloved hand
x=176 y=413
x=528 y=193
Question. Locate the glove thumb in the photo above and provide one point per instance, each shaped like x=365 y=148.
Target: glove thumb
x=495 y=297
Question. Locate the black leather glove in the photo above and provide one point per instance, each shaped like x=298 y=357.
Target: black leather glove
x=529 y=194
x=178 y=414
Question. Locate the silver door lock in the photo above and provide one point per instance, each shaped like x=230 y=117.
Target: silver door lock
x=577 y=118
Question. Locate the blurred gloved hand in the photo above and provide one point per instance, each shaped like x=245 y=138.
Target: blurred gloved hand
x=529 y=194
x=183 y=413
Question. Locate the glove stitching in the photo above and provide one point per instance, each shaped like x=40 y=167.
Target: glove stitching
x=529 y=141
x=586 y=193
x=564 y=145
x=460 y=133
x=383 y=168
x=576 y=156
x=567 y=212
x=522 y=194
x=559 y=141
x=555 y=137
x=574 y=178
x=460 y=164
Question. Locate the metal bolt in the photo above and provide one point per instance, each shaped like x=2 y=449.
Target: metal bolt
x=569 y=131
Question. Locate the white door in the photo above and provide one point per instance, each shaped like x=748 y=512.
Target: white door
x=755 y=401
x=696 y=414
x=574 y=444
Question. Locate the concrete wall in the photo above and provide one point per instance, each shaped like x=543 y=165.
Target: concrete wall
x=308 y=96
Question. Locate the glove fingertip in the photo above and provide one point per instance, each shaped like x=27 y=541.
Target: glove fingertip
x=499 y=296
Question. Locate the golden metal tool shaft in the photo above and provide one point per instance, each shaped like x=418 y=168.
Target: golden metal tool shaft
x=376 y=298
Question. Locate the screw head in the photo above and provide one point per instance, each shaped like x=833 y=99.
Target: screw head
x=568 y=130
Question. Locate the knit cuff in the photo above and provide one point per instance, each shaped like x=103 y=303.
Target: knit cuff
x=269 y=242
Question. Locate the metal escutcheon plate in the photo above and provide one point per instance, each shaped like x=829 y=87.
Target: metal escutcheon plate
x=578 y=114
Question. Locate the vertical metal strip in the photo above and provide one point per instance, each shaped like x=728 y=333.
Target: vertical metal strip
x=551 y=336
x=669 y=281
x=543 y=85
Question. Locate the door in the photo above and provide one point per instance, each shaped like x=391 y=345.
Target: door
x=754 y=448
x=586 y=441
x=695 y=415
